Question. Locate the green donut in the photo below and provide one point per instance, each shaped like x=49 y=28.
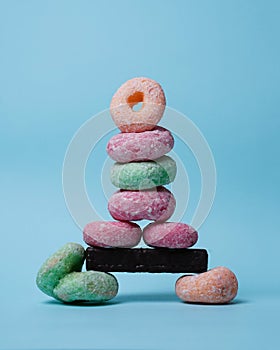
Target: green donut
x=67 y=259
x=88 y=286
x=143 y=175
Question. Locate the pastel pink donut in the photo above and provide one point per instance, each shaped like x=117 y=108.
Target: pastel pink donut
x=157 y=204
x=147 y=145
x=108 y=234
x=134 y=91
x=170 y=235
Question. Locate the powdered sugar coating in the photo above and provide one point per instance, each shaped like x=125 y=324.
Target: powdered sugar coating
x=108 y=234
x=216 y=286
x=170 y=235
x=136 y=90
x=88 y=286
x=67 y=259
x=156 y=204
x=128 y=147
x=143 y=175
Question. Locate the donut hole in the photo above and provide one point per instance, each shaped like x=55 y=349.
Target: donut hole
x=137 y=107
x=135 y=100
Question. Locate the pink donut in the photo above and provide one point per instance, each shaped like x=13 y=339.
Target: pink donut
x=112 y=234
x=158 y=205
x=134 y=91
x=147 y=145
x=170 y=235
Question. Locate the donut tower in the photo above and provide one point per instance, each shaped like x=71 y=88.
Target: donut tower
x=140 y=171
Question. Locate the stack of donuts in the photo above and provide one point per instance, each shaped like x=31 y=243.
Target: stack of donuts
x=140 y=172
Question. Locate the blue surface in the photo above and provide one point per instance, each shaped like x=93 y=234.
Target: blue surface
x=218 y=62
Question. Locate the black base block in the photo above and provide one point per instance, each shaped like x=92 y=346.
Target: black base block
x=146 y=260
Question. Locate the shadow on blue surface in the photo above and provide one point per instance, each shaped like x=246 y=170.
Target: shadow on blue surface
x=166 y=297
x=154 y=297
x=143 y=298
x=81 y=304
x=232 y=303
x=147 y=297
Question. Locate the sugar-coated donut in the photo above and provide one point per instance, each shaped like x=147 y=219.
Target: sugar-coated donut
x=143 y=175
x=216 y=286
x=112 y=234
x=138 y=90
x=135 y=146
x=157 y=205
x=170 y=235
x=88 y=286
x=68 y=258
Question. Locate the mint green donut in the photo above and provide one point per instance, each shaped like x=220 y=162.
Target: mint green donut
x=143 y=175
x=67 y=259
x=88 y=286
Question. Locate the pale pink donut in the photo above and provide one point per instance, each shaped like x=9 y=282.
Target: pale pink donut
x=156 y=204
x=134 y=146
x=134 y=91
x=115 y=234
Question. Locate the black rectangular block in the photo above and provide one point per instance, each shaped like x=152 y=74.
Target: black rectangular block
x=146 y=260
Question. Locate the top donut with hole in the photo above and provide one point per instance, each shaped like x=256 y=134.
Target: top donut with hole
x=138 y=91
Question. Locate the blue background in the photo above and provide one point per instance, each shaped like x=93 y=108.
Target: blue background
x=218 y=62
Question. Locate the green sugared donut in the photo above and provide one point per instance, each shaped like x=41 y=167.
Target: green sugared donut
x=88 y=286
x=143 y=175
x=67 y=259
